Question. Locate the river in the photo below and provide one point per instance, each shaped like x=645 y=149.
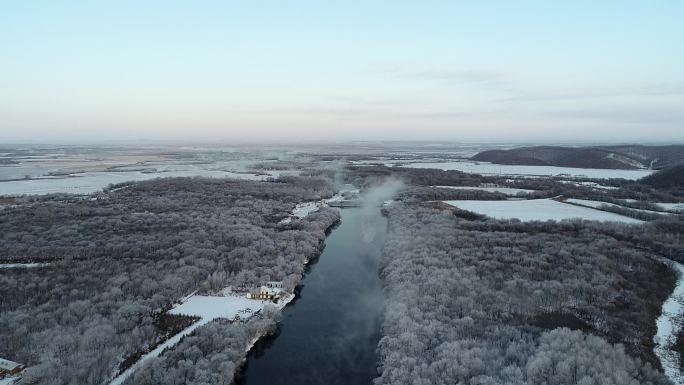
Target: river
x=329 y=334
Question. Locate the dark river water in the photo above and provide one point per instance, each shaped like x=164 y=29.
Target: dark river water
x=330 y=332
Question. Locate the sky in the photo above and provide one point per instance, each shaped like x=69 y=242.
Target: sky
x=369 y=70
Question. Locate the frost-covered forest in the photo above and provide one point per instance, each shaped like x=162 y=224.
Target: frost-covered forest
x=117 y=260
x=494 y=302
x=211 y=355
x=473 y=300
x=468 y=299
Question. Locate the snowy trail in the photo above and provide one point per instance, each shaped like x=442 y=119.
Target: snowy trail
x=22 y=265
x=209 y=309
x=668 y=327
x=158 y=350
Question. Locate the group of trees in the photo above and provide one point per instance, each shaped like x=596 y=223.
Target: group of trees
x=120 y=258
x=472 y=300
x=585 y=188
x=469 y=300
x=422 y=193
x=671 y=177
x=503 y=302
x=211 y=355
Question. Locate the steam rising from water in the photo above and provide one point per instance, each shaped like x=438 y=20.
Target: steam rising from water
x=372 y=201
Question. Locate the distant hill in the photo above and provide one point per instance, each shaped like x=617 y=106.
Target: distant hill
x=611 y=157
x=669 y=177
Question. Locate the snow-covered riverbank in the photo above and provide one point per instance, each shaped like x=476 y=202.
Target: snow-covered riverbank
x=669 y=326
x=303 y=209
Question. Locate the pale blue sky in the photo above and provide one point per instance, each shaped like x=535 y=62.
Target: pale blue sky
x=452 y=70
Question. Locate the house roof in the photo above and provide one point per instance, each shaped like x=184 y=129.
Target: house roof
x=270 y=290
x=8 y=365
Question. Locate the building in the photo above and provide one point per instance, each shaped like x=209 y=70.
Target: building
x=9 y=368
x=270 y=291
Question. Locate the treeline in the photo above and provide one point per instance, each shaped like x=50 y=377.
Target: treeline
x=121 y=257
x=619 y=189
x=364 y=176
x=504 y=302
x=671 y=177
x=422 y=193
x=439 y=194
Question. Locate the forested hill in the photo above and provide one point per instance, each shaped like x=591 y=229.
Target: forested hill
x=667 y=178
x=610 y=157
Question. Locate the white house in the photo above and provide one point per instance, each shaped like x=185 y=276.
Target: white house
x=271 y=290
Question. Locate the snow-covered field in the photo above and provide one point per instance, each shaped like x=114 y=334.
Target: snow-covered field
x=672 y=207
x=9 y=380
x=500 y=169
x=89 y=182
x=21 y=265
x=667 y=329
x=598 y=204
x=303 y=209
x=588 y=203
x=677 y=207
x=211 y=307
x=538 y=210
x=593 y=185
x=503 y=190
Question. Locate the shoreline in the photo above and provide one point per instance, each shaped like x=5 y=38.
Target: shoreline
x=668 y=327
x=281 y=306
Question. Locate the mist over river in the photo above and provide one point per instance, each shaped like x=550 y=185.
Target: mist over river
x=329 y=334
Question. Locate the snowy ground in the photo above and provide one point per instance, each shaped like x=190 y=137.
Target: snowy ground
x=89 y=182
x=503 y=190
x=672 y=207
x=676 y=207
x=598 y=204
x=21 y=265
x=538 y=210
x=303 y=209
x=593 y=185
x=500 y=169
x=208 y=308
x=219 y=307
x=667 y=329
x=9 y=380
